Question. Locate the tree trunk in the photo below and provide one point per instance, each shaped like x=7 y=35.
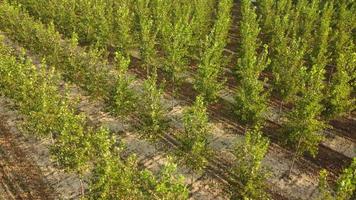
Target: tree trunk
x=331 y=74
x=295 y=157
x=280 y=111
x=82 y=191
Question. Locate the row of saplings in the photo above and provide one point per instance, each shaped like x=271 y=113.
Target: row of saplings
x=304 y=38
x=79 y=148
x=195 y=143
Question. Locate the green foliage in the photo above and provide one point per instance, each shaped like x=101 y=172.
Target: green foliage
x=81 y=67
x=340 y=101
x=152 y=110
x=123 y=24
x=323 y=187
x=176 y=33
x=248 y=167
x=250 y=99
x=201 y=23
x=286 y=57
x=195 y=136
x=43 y=102
x=166 y=185
x=306 y=22
x=114 y=178
x=35 y=91
x=124 y=96
x=266 y=9
x=86 y=17
x=345 y=185
x=303 y=127
x=323 y=36
x=147 y=33
x=207 y=82
x=71 y=148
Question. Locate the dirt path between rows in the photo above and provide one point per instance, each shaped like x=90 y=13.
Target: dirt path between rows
x=20 y=178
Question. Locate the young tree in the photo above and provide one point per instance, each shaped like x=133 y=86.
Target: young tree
x=123 y=24
x=304 y=127
x=153 y=112
x=323 y=187
x=201 y=23
x=166 y=185
x=112 y=177
x=339 y=101
x=176 y=34
x=124 y=97
x=43 y=102
x=305 y=19
x=345 y=185
x=250 y=99
x=286 y=58
x=320 y=55
x=72 y=148
x=147 y=33
x=86 y=69
x=207 y=82
x=248 y=167
x=35 y=91
x=194 y=139
x=266 y=10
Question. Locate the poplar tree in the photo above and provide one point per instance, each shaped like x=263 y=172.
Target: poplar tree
x=203 y=11
x=339 y=101
x=195 y=136
x=147 y=33
x=71 y=149
x=124 y=96
x=345 y=185
x=43 y=102
x=250 y=99
x=35 y=91
x=325 y=192
x=167 y=184
x=114 y=178
x=303 y=126
x=153 y=112
x=176 y=34
x=305 y=16
x=248 y=167
x=266 y=10
x=207 y=81
x=287 y=54
x=123 y=24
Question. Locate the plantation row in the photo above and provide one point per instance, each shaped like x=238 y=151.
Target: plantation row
x=77 y=147
x=176 y=52
x=302 y=36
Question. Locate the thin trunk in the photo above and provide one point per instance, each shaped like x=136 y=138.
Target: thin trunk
x=280 y=110
x=191 y=179
x=295 y=157
x=82 y=187
x=173 y=91
x=52 y=143
x=331 y=75
x=52 y=139
x=147 y=71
